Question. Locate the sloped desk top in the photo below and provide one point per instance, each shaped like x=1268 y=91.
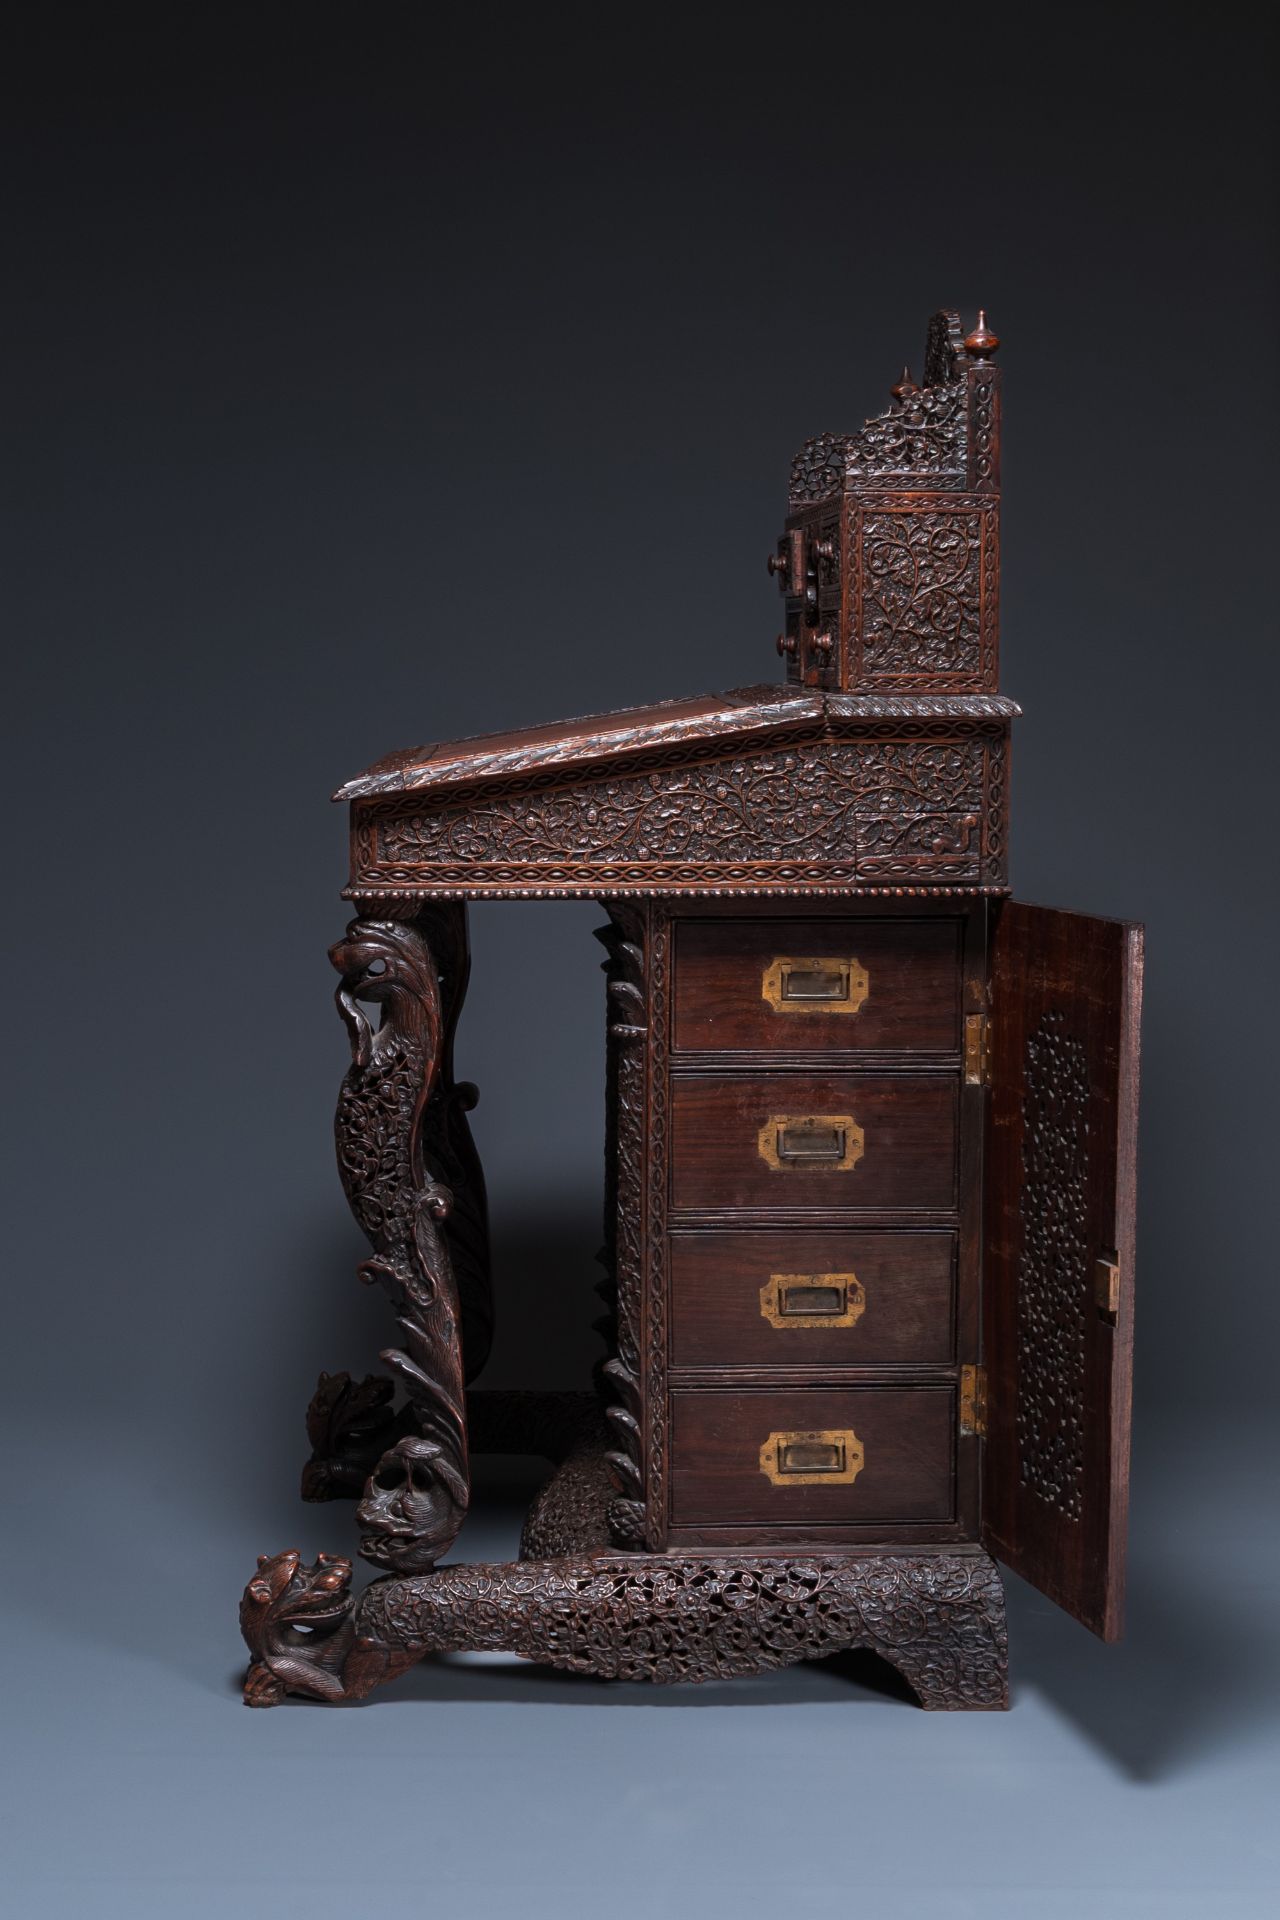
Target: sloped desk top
x=768 y=788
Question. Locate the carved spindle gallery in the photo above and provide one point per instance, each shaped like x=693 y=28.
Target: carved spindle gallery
x=868 y=1260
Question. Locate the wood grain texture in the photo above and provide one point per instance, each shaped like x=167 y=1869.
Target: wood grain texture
x=913 y=976
x=908 y=1161
x=907 y=1281
x=1060 y=1194
x=906 y=1432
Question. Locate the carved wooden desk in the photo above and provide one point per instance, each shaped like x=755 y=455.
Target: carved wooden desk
x=870 y=1204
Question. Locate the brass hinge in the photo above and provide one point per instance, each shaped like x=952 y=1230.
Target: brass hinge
x=1106 y=1287
x=973 y=1399
x=977 y=1050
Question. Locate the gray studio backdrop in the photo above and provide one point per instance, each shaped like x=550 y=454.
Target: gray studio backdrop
x=364 y=395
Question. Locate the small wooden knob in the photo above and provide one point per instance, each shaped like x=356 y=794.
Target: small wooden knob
x=822 y=643
x=904 y=388
x=786 y=643
x=981 y=343
x=779 y=563
x=824 y=549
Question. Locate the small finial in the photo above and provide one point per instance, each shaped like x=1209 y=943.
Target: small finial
x=904 y=389
x=981 y=343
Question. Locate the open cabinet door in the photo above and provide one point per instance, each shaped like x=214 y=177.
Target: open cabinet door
x=1058 y=1270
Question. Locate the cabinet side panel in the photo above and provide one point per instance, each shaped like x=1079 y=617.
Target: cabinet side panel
x=1059 y=1257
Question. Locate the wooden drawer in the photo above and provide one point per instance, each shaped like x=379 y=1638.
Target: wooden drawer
x=812 y=1299
x=820 y=1456
x=792 y=985
x=825 y=1141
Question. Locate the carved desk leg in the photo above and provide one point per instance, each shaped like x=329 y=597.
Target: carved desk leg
x=417 y=1494
x=351 y=1423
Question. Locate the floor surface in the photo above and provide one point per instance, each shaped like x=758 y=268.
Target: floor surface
x=1129 y=1783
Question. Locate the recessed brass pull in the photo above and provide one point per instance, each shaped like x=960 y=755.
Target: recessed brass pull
x=820 y=1142
x=812 y=1300
x=828 y=1456
x=795 y=984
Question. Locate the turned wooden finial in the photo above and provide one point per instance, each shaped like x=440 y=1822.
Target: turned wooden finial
x=981 y=343
x=905 y=387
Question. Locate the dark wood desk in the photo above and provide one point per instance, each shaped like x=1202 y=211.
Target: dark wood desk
x=869 y=1252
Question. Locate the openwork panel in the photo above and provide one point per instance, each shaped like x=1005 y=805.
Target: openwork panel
x=1053 y=1272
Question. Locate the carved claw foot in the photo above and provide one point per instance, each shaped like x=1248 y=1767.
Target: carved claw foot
x=297 y=1625
x=301 y=1626
x=261 y=1688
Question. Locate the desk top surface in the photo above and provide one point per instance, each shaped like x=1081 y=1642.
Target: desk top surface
x=745 y=711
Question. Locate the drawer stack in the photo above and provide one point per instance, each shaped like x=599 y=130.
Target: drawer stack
x=815 y=1225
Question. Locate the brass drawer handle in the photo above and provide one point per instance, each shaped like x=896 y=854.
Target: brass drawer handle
x=831 y=1456
x=812 y=1300
x=819 y=1142
x=794 y=984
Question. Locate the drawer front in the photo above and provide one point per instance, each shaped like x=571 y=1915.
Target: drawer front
x=822 y=1456
x=827 y=1141
x=812 y=1299
x=792 y=985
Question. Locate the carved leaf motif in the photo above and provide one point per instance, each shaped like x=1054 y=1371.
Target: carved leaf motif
x=814 y=801
x=921 y=594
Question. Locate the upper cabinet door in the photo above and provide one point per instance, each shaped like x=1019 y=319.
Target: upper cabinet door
x=1059 y=1225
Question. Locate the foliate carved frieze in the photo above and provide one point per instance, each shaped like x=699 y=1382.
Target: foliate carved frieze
x=906 y=801
x=921 y=442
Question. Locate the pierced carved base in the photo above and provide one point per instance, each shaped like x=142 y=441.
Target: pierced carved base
x=938 y=1618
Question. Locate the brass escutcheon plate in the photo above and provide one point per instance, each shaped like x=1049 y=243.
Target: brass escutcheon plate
x=810 y=1142
x=825 y=1456
x=795 y=984
x=812 y=1300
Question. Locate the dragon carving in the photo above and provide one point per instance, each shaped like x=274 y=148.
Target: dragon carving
x=939 y=1618
x=416 y=1497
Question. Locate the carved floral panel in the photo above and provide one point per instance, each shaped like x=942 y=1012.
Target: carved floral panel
x=921 y=809
x=922 y=595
